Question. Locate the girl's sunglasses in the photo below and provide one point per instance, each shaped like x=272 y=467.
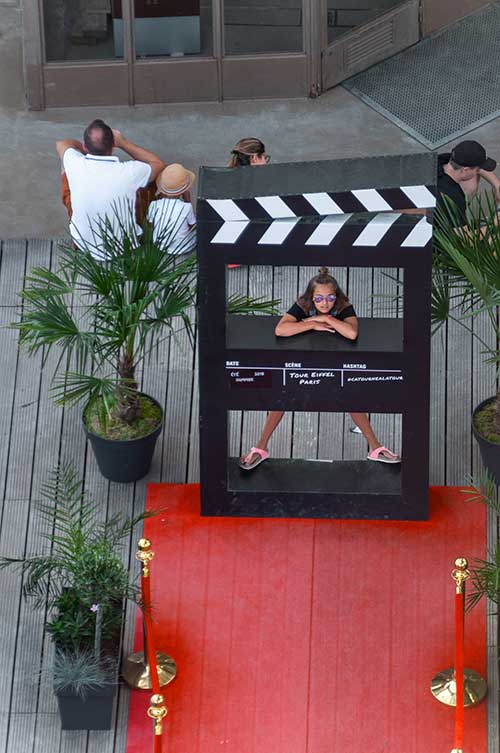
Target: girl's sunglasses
x=319 y=298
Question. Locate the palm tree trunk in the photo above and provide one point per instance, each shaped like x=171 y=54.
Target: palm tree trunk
x=128 y=396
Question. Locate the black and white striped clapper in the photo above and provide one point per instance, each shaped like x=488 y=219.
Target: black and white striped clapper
x=362 y=216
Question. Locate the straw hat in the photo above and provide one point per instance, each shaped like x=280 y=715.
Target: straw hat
x=174 y=180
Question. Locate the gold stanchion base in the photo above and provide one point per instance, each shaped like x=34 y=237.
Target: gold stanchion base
x=135 y=670
x=444 y=688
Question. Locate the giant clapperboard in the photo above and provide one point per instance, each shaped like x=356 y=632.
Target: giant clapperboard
x=341 y=213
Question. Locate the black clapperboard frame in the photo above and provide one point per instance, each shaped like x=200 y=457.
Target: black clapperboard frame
x=339 y=213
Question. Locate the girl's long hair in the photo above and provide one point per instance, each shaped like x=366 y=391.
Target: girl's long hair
x=243 y=151
x=305 y=301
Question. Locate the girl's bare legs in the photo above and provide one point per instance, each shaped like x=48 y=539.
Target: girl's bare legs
x=272 y=421
x=363 y=422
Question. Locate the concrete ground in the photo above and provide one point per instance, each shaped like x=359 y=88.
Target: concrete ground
x=333 y=126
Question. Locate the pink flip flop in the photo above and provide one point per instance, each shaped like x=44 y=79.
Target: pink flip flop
x=246 y=466
x=387 y=457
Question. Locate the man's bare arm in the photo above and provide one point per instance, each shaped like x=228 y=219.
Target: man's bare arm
x=140 y=154
x=492 y=179
x=61 y=146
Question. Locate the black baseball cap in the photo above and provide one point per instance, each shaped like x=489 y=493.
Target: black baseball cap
x=472 y=154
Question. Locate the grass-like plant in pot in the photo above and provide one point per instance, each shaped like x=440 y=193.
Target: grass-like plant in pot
x=84 y=584
x=466 y=285
x=107 y=318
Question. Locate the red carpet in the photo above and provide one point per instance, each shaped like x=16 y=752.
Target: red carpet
x=297 y=636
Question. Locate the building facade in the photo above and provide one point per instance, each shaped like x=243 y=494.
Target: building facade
x=115 y=52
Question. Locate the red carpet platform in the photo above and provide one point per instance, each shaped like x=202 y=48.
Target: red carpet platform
x=298 y=636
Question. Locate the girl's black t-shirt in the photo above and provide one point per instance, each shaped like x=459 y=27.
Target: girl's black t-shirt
x=298 y=313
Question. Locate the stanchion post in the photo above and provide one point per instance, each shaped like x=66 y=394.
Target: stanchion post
x=135 y=668
x=457 y=686
x=157 y=711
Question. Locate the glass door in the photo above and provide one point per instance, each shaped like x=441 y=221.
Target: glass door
x=83 y=53
x=264 y=49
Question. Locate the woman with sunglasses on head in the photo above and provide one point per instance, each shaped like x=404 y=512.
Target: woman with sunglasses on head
x=248 y=152
x=323 y=307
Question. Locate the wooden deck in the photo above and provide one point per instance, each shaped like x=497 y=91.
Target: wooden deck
x=36 y=434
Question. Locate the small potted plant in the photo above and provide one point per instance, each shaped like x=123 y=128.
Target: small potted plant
x=466 y=284
x=107 y=316
x=84 y=584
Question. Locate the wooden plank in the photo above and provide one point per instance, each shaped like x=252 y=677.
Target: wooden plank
x=47 y=703
x=285 y=287
x=437 y=453
x=180 y=374
x=193 y=471
x=5 y=726
x=332 y=425
x=21 y=736
x=12 y=271
x=24 y=426
x=483 y=375
x=359 y=291
x=10 y=588
x=305 y=424
x=29 y=640
x=47 y=734
x=12 y=544
x=458 y=405
x=236 y=284
x=74 y=741
x=260 y=283
x=8 y=373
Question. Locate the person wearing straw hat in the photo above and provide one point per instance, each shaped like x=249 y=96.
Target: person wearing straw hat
x=172 y=217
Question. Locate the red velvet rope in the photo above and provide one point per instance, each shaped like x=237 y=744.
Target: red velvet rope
x=459 y=670
x=150 y=650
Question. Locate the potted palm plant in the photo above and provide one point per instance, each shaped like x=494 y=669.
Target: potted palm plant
x=84 y=584
x=107 y=316
x=466 y=284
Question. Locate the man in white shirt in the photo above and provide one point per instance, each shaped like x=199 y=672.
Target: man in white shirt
x=103 y=189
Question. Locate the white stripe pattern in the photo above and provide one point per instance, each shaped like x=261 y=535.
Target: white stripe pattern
x=275 y=206
x=227 y=209
x=420 y=235
x=230 y=232
x=372 y=200
x=327 y=230
x=278 y=231
x=373 y=233
x=420 y=196
x=322 y=203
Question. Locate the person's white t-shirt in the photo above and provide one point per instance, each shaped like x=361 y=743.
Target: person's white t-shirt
x=172 y=222
x=103 y=191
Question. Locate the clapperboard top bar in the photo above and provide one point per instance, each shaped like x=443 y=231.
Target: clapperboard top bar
x=330 y=187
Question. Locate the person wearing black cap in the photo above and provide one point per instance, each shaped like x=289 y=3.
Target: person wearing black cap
x=459 y=172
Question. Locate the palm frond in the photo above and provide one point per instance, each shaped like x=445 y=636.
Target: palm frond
x=241 y=304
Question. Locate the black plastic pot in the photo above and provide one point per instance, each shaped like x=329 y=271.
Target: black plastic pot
x=490 y=451
x=95 y=711
x=124 y=460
